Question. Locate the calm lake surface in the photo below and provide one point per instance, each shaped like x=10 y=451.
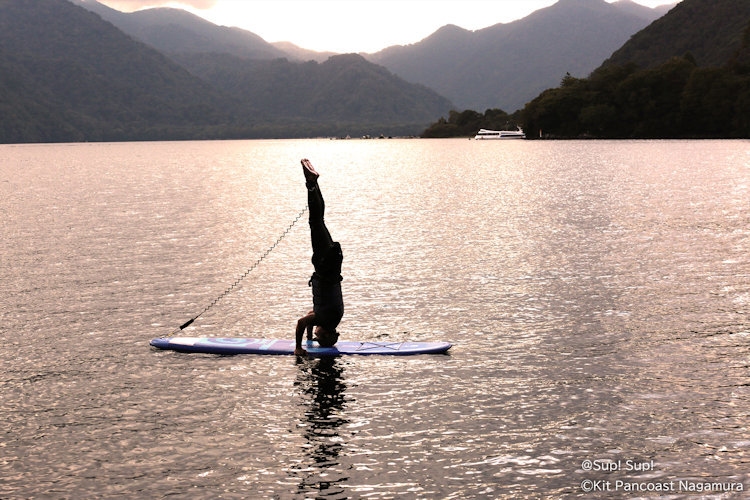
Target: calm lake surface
x=597 y=294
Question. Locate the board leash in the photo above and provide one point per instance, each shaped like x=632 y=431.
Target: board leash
x=244 y=275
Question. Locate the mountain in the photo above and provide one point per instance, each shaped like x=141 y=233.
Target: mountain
x=174 y=30
x=711 y=31
x=256 y=73
x=647 y=13
x=687 y=75
x=506 y=65
x=69 y=76
x=343 y=89
x=177 y=31
x=298 y=53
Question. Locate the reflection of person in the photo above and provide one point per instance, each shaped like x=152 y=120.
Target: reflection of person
x=328 y=304
x=321 y=387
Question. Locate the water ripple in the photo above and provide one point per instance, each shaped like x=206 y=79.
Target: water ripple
x=596 y=294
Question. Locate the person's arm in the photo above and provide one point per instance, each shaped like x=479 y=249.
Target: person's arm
x=302 y=324
x=310 y=330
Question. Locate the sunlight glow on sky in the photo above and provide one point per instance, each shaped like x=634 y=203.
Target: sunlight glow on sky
x=351 y=25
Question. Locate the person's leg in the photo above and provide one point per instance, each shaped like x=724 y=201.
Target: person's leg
x=321 y=238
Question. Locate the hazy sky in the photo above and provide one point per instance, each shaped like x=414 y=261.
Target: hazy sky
x=351 y=25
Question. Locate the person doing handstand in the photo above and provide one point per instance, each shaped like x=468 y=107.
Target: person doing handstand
x=328 y=303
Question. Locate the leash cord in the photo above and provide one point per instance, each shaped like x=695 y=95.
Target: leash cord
x=244 y=275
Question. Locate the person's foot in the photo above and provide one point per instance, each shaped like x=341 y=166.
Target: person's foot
x=310 y=173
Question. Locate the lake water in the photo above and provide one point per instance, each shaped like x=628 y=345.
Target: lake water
x=597 y=294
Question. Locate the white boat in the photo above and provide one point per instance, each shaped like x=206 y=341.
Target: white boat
x=485 y=134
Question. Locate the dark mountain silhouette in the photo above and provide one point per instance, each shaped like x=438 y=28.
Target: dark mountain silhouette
x=296 y=52
x=177 y=31
x=687 y=75
x=647 y=13
x=69 y=76
x=343 y=89
x=239 y=63
x=506 y=65
x=711 y=31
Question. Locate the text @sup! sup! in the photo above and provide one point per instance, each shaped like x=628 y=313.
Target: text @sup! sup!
x=618 y=465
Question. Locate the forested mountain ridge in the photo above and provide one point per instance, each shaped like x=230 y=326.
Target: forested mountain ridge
x=651 y=14
x=177 y=31
x=343 y=89
x=296 y=52
x=711 y=31
x=68 y=75
x=682 y=96
x=506 y=65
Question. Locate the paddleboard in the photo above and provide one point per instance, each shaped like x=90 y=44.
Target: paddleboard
x=274 y=346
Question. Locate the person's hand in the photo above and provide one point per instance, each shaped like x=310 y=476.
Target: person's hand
x=298 y=351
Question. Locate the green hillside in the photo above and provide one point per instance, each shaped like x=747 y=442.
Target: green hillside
x=710 y=30
x=343 y=89
x=69 y=76
x=683 y=96
x=174 y=30
x=506 y=65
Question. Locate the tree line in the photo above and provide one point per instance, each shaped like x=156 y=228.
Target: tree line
x=677 y=99
x=467 y=123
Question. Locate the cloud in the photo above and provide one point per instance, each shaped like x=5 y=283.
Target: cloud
x=131 y=5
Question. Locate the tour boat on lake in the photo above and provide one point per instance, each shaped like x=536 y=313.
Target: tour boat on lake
x=485 y=134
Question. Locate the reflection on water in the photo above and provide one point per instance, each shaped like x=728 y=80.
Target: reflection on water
x=321 y=387
x=596 y=293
